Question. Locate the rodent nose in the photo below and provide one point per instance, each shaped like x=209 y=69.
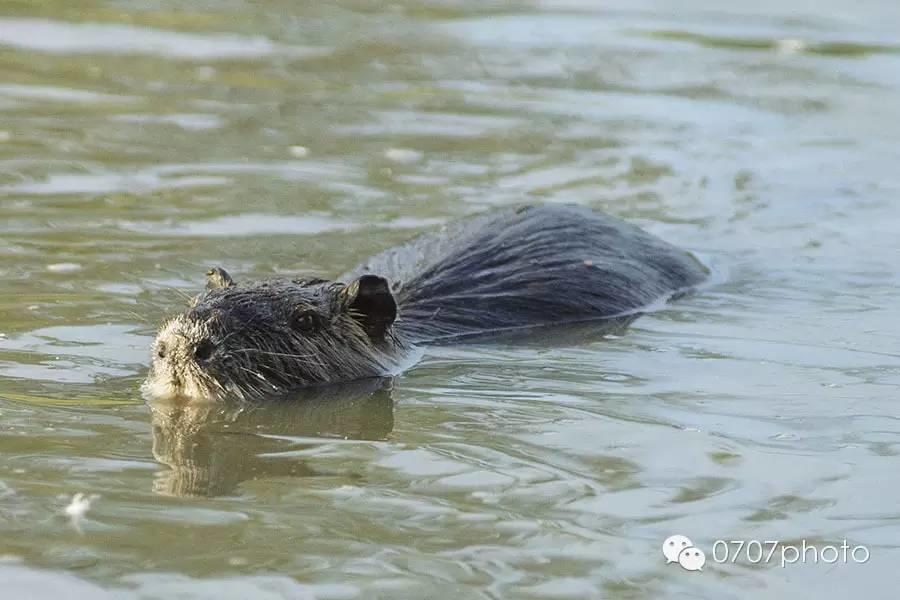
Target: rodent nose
x=203 y=350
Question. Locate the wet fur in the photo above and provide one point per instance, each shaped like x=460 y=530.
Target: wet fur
x=527 y=267
x=258 y=348
x=508 y=270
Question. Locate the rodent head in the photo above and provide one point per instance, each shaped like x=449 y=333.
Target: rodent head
x=269 y=337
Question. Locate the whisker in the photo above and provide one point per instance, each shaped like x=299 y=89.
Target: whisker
x=184 y=295
x=140 y=318
x=272 y=353
x=252 y=372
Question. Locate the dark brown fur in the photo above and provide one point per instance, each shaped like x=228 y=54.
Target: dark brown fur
x=509 y=270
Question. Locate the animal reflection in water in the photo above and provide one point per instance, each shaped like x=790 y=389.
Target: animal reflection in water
x=210 y=449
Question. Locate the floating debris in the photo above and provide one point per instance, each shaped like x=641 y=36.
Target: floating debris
x=77 y=508
x=299 y=151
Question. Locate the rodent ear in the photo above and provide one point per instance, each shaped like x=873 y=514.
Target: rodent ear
x=217 y=278
x=371 y=303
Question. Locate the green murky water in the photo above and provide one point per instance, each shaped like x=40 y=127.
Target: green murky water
x=141 y=142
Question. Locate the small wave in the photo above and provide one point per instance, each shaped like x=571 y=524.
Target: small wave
x=58 y=37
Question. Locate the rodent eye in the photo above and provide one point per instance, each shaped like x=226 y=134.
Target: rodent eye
x=203 y=350
x=307 y=320
x=161 y=350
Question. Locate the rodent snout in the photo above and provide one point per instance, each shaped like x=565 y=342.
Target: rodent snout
x=183 y=350
x=203 y=350
x=183 y=341
x=182 y=361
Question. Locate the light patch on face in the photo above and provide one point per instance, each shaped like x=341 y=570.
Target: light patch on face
x=174 y=372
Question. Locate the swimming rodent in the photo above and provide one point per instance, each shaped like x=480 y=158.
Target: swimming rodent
x=509 y=270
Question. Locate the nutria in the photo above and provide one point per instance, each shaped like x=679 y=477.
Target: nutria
x=513 y=269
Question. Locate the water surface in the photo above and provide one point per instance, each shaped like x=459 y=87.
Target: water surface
x=141 y=143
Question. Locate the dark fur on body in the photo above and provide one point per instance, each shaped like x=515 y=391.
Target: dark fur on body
x=501 y=271
x=526 y=267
